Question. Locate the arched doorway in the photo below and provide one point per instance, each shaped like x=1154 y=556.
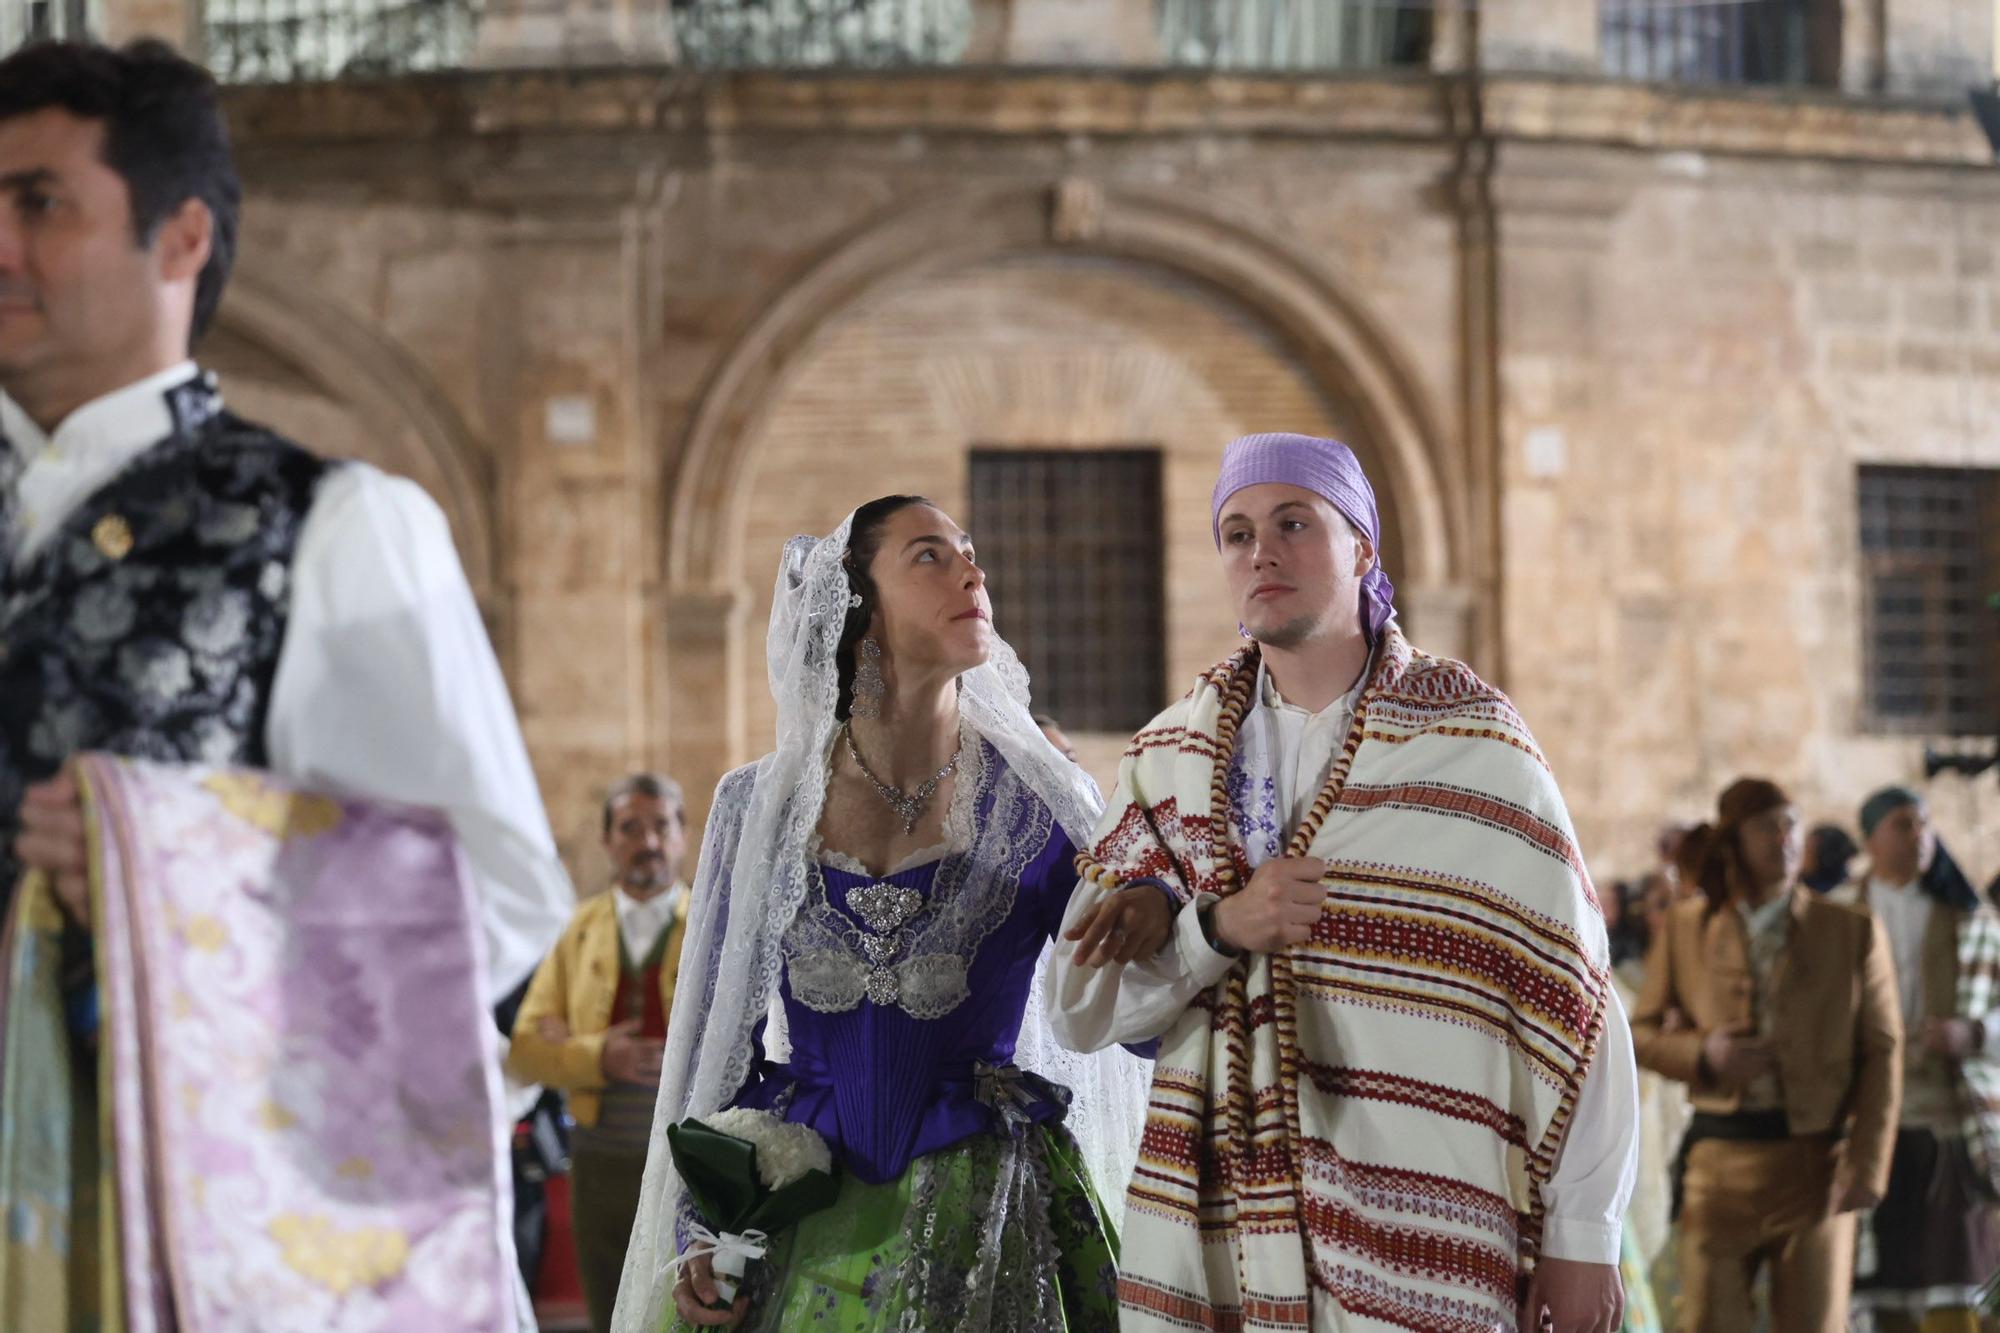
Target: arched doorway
x=1058 y=319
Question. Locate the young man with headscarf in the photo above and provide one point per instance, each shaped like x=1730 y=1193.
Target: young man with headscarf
x=1936 y=1239
x=1338 y=884
x=1789 y=1038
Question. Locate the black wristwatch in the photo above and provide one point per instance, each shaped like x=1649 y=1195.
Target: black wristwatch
x=1205 y=916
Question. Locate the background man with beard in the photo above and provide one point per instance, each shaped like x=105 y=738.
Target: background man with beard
x=594 y=1022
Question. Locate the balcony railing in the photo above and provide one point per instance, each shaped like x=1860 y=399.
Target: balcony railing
x=1712 y=41
x=296 y=41
x=267 y=41
x=30 y=20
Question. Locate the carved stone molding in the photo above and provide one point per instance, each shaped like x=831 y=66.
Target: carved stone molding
x=357 y=365
x=1338 y=342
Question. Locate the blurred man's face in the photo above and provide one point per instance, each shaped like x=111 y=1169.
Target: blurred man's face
x=1773 y=846
x=645 y=844
x=1902 y=845
x=1058 y=738
x=77 y=288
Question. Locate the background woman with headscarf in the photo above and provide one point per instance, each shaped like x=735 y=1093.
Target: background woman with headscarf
x=1934 y=1237
x=1794 y=1071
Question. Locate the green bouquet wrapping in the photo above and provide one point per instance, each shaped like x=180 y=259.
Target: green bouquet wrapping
x=749 y=1176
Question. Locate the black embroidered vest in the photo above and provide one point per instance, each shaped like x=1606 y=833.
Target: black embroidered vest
x=149 y=624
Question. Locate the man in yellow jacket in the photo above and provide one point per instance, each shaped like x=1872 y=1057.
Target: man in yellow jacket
x=594 y=1021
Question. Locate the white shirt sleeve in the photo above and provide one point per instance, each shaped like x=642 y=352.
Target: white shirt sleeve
x=387 y=687
x=1586 y=1195
x=1091 y=1008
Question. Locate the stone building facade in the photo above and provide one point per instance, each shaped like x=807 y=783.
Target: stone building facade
x=1614 y=351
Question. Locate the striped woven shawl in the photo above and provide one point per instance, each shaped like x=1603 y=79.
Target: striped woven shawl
x=1350 y=1134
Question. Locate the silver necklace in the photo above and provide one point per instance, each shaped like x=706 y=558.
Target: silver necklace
x=909 y=806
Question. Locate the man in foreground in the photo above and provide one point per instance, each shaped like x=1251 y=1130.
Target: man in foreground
x=182 y=586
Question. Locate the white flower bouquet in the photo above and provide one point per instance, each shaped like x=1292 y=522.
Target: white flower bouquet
x=749 y=1175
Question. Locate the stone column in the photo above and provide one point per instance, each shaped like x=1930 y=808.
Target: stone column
x=1560 y=457
x=172 y=21
x=701 y=642
x=1859 y=46
x=563 y=319
x=1537 y=36
x=1937 y=48
x=1441 y=619
x=540 y=33
x=988 y=43
x=1451 y=35
x=1075 y=32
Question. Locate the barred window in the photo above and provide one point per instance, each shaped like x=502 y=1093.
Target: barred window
x=30 y=20
x=1071 y=543
x=1304 y=35
x=1930 y=553
x=1721 y=41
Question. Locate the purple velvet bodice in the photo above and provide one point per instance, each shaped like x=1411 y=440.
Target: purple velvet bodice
x=884 y=1087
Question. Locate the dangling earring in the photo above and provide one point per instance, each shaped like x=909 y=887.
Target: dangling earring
x=868 y=686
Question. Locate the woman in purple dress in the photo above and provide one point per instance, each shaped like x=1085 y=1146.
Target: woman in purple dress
x=874 y=900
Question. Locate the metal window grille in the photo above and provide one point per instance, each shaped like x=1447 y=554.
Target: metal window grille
x=1071 y=543
x=1301 y=35
x=296 y=41
x=1930 y=550
x=33 y=20
x=1711 y=41
x=796 y=34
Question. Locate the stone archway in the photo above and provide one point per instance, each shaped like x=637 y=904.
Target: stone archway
x=308 y=367
x=1324 y=328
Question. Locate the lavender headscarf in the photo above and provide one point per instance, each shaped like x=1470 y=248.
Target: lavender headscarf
x=1329 y=469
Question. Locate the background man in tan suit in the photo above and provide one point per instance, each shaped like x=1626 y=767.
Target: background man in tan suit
x=1779 y=1010
x=1934 y=1237
x=594 y=1021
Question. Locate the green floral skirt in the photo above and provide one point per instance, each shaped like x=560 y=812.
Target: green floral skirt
x=991 y=1235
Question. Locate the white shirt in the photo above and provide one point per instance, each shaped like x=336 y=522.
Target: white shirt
x=1091 y=1008
x=1905 y=914
x=1930 y=1095
x=1768 y=929
x=386 y=684
x=1313 y=739
x=640 y=921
